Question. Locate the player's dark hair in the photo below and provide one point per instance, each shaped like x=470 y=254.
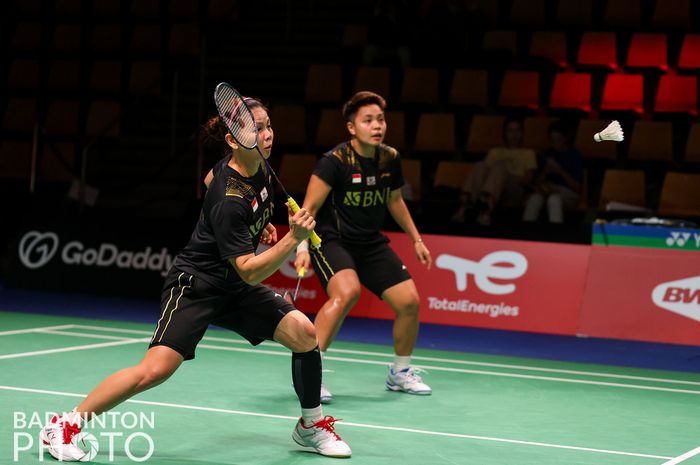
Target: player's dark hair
x=359 y=100
x=213 y=134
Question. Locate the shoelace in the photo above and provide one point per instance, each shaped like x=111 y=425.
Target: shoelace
x=412 y=373
x=328 y=424
x=69 y=430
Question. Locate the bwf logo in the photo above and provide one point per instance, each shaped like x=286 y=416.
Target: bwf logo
x=680 y=239
x=501 y=265
x=681 y=297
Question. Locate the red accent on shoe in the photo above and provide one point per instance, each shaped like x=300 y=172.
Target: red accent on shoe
x=54 y=419
x=327 y=423
x=69 y=430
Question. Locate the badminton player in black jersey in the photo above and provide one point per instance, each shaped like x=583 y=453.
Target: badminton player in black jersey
x=350 y=191
x=216 y=280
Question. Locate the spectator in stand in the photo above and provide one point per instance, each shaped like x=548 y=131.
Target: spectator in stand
x=559 y=178
x=502 y=178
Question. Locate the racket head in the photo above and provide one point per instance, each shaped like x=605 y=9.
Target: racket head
x=236 y=115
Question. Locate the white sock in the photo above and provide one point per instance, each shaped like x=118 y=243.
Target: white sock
x=401 y=362
x=312 y=415
x=323 y=354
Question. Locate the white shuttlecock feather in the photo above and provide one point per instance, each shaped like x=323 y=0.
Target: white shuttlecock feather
x=612 y=132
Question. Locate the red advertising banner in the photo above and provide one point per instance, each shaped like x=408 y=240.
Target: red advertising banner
x=513 y=285
x=642 y=294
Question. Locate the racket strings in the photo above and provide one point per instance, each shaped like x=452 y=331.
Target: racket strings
x=236 y=116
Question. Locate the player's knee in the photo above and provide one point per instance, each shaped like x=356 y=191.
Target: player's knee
x=409 y=305
x=347 y=296
x=153 y=375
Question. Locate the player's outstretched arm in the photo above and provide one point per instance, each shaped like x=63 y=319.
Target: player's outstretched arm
x=399 y=211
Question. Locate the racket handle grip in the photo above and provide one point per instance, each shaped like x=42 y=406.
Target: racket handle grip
x=315 y=240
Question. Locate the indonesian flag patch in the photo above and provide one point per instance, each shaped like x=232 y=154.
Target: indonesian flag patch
x=356 y=178
x=254 y=204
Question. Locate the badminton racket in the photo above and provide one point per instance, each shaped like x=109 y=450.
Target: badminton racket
x=300 y=272
x=239 y=120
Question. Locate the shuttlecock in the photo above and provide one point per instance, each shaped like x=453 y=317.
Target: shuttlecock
x=612 y=132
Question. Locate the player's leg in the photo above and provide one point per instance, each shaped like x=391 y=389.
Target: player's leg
x=181 y=325
x=383 y=273
x=533 y=207
x=335 y=269
x=404 y=300
x=261 y=314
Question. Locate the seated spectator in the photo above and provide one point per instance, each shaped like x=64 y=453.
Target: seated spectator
x=558 y=181
x=502 y=178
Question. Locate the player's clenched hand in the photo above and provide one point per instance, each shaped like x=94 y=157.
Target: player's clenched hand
x=301 y=223
x=303 y=260
x=423 y=254
x=269 y=235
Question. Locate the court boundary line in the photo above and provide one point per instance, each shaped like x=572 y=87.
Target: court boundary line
x=683 y=457
x=435 y=359
x=33 y=330
x=353 y=424
x=362 y=361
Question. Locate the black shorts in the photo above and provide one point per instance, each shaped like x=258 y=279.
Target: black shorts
x=377 y=266
x=189 y=305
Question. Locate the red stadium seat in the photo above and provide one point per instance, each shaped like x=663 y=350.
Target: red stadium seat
x=530 y=13
x=692 y=146
x=651 y=141
x=677 y=94
x=680 y=195
x=623 y=92
x=598 y=49
x=625 y=14
x=648 y=51
x=435 y=133
x=470 y=87
x=571 y=91
x=576 y=14
x=520 y=89
x=690 y=52
x=374 y=78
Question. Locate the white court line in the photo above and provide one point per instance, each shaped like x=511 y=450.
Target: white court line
x=87 y=335
x=32 y=330
x=682 y=458
x=435 y=359
x=376 y=362
x=72 y=348
x=357 y=425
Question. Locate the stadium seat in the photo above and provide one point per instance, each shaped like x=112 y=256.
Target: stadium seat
x=577 y=13
x=435 y=133
x=598 y=49
x=15 y=159
x=622 y=14
x=692 y=146
x=331 y=130
x=520 y=89
x=66 y=38
x=295 y=171
x=106 y=38
x=144 y=78
x=184 y=39
x=625 y=186
x=623 y=92
x=106 y=76
x=23 y=75
x=528 y=13
x=291 y=129
x=64 y=75
x=680 y=195
x=420 y=85
x=411 y=170
x=651 y=141
x=571 y=91
x=648 y=51
x=470 y=87
x=146 y=39
x=677 y=94
x=690 y=52
x=20 y=115
x=671 y=14
x=550 y=45
x=452 y=174
x=374 y=78
x=62 y=117
x=57 y=162
x=27 y=37
x=499 y=40
x=485 y=132
x=396 y=129
x=323 y=84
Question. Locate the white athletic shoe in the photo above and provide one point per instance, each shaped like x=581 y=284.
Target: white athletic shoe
x=58 y=434
x=408 y=381
x=321 y=437
x=326 y=396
